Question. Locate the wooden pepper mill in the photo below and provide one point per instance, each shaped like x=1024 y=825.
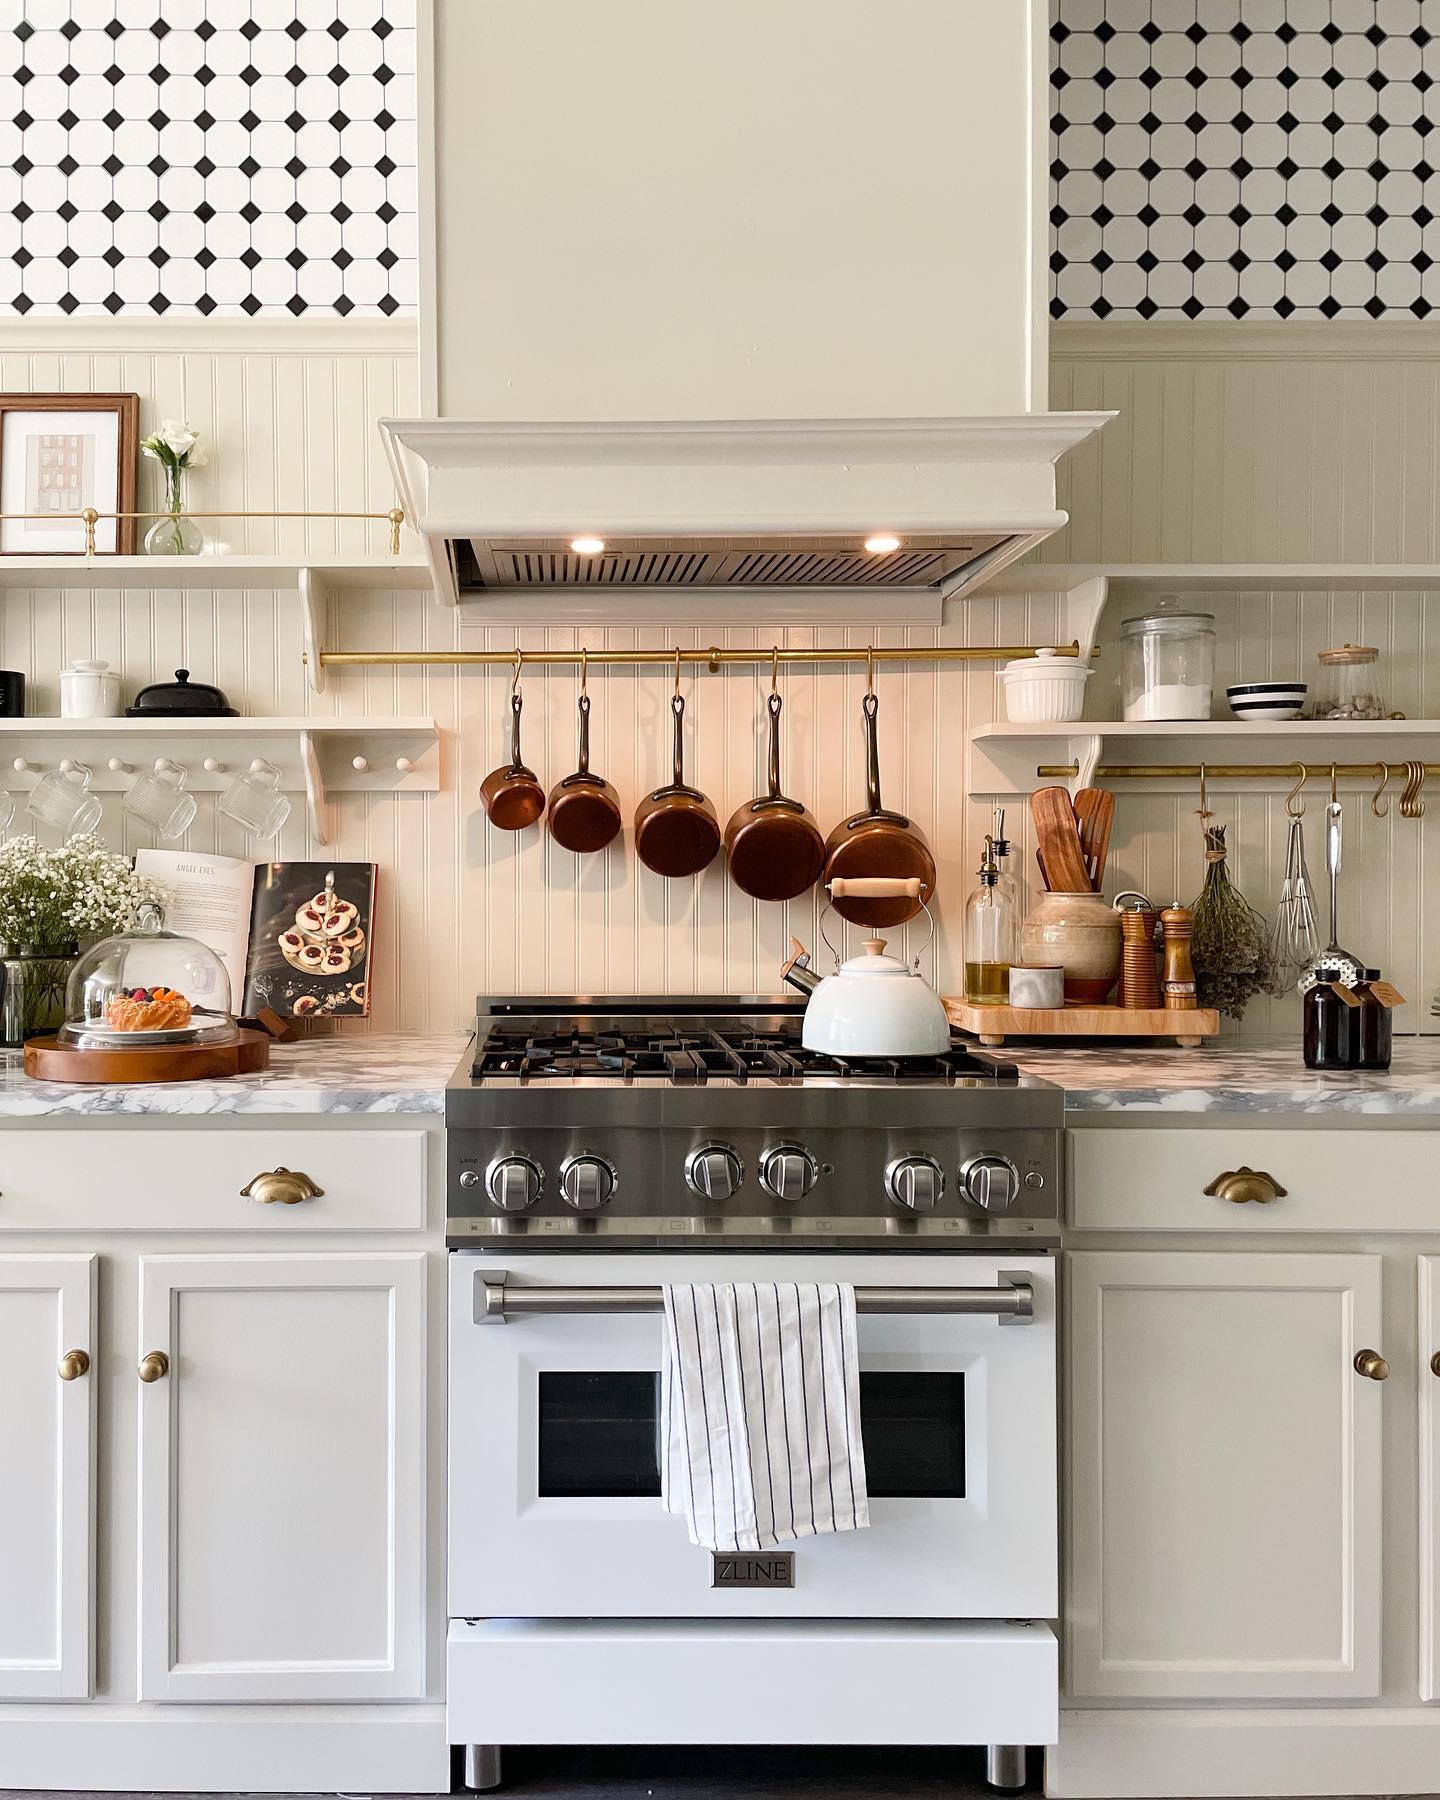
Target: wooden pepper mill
x=1178 y=980
x=1139 y=971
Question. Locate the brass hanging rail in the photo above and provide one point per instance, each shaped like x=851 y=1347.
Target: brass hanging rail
x=714 y=658
x=90 y=517
x=1228 y=771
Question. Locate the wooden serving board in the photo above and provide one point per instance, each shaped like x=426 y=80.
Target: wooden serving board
x=993 y=1024
x=47 y=1059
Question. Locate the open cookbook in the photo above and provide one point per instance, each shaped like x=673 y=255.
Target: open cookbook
x=293 y=936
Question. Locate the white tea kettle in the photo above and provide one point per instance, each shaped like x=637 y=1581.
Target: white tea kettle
x=873 y=1005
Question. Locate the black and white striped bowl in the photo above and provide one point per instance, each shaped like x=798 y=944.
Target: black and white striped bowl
x=1267 y=700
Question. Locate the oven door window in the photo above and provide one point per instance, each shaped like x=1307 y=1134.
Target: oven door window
x=599 y=1434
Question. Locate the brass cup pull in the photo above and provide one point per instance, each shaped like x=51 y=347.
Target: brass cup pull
x=1372 y=1365
x=1246 y=1184
x=287 y=1186
x=1435 y=1363
x=74 y=1364
x=154 y=1366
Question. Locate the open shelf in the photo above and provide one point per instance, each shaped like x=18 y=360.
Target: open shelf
x=207 y=572
x=316 y=756
x=1134 y=579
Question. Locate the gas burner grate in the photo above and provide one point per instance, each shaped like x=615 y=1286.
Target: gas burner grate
x=696 y=1054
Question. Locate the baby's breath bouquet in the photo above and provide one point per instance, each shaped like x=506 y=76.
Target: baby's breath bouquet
x=50 y=902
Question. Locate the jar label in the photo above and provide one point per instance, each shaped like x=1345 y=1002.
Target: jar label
x=1386 y=994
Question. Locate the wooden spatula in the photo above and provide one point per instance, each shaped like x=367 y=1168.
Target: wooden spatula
x=1058 y=841
x=1095 y=817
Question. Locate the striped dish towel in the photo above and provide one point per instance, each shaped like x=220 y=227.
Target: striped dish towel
x=760 y=1412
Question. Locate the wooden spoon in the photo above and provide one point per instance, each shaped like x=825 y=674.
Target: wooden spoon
x=1058 y=841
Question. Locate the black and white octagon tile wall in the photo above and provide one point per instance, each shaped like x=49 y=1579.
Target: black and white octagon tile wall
x=1245 y=158
x=207 y=156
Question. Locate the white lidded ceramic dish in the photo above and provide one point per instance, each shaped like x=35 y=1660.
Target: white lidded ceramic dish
x=875 y=1006
x=1045 y=689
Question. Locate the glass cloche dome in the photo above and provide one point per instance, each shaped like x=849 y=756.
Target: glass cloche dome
x=147 y=986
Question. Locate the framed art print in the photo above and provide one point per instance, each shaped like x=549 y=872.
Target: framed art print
x=60 y=453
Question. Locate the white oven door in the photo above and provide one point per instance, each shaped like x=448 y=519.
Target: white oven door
x=555 y=1487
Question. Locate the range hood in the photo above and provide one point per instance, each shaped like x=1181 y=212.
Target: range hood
x=737 y=301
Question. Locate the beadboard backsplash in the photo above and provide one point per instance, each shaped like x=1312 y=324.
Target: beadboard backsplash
x=464 y=908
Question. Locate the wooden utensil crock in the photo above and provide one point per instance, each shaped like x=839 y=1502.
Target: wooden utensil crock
x=775 y=848
x=511 y=795
x=676 y=830
x=584 y=809
x=878 y=843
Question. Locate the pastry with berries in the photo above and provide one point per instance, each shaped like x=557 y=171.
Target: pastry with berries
x=147 y=1009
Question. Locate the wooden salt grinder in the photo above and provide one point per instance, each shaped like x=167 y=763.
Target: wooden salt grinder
x=1139 y=976
x=1178 y=980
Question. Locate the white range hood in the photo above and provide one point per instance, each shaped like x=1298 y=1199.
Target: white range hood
x=731 y=290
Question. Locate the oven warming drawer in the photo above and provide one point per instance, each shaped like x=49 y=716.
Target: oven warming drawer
x=754 y=1682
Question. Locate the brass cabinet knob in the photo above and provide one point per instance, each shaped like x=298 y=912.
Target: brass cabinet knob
x=287 y=1186
x=1435 y=1363
x=154 y=1366
x=74 y=1364
x=1372 y=1365
x=1245 y=1184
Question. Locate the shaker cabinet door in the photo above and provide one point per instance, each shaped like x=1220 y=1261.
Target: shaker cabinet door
x=282 y=1518
x=1224 y=1476
x=1429 y=1492
x=47 y=1468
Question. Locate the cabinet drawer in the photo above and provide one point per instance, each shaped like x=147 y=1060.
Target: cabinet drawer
x=162 y=1180
x=1123 y=1180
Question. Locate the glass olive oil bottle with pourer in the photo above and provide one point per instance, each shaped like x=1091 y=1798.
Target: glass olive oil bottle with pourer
x=991 y=924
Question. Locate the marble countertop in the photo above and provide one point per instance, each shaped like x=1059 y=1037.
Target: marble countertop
x=371 y=1072
x=401 y=1073
x=1265 y=1077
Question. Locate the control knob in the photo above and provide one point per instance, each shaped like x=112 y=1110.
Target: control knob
x=915 y=1182
x=586 y=1182
x=714 y=1171
x=512 y=1182
x=989 y=1182
x=788 y=1171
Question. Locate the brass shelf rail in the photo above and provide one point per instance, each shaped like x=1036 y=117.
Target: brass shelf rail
x=91 y=516
x=714 y=658
x=1232 y=771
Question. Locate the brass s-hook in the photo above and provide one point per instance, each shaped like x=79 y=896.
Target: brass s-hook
x=774 y=668
x=1292 y=810
x=1203 y=810
x=1334 y=796
x=584 y=664
x=1411 y=805
x=1382 y=769
x=515 y=678
x=677 y=668
x=870 y=672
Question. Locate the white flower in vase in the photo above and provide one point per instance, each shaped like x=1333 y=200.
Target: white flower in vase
x=176 y=446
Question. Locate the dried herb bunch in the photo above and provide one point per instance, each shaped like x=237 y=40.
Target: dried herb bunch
x=1230 y=943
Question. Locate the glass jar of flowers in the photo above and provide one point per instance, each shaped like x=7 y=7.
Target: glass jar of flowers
x=177 y=448
x=52 y=901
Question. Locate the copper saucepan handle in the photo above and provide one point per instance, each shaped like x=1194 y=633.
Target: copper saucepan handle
x=870 y=706
x=516 y=707
x=583 y=761
x=677 y=706
x=876 y=887
x=774 y=704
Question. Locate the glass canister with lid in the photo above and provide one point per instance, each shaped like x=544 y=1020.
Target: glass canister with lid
x=1349 y=686
x=1167 y=662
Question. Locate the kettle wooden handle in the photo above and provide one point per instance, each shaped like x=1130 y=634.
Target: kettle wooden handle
x=876 y=887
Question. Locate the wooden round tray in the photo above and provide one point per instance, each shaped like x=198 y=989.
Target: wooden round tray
x=46 y=1059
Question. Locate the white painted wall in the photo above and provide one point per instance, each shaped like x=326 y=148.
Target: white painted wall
x=1325 y=428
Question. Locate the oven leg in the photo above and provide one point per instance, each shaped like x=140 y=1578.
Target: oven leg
x=482 y=1767
x=1005 y=1767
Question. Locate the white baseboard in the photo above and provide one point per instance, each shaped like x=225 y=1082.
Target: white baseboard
x=213 y=1749
x=1226 y=1752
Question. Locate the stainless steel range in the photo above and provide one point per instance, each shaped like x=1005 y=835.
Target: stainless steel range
x=601 y=1148
x=653 y=1122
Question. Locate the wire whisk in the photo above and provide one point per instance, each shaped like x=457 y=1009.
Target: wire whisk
x=1295 y=942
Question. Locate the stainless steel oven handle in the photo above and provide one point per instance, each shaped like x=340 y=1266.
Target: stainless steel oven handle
x=1010 y=1301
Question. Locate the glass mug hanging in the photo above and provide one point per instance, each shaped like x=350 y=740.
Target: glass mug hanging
x=61 y=799
x=160 y=799
x=253 y=799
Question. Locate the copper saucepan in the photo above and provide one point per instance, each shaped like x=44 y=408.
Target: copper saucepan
x=511 y=795
x=775 y=847
x=878 y=843
x=676 y=830
x=584 y=808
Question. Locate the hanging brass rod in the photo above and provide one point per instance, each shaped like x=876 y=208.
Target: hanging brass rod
x=1225 y=771
x=713 y=658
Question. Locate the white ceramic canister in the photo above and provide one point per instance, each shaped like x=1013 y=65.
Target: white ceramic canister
x=1045 y=689
x=89 y=690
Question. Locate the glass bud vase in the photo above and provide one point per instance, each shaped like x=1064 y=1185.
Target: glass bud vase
x=176 y=534
x=32 y=990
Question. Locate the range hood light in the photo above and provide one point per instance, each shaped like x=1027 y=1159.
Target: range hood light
x=587 y=546
x=882 y=543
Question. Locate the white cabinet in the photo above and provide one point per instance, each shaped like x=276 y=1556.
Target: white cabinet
x=1224 y=1503
x=1429 y=1472
x=282 y=1477
x=47 y=1465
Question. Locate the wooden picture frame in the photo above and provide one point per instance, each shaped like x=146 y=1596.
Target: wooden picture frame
x=80 y=467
